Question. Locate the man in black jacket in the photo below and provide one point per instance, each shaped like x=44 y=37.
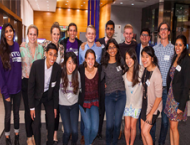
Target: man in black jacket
x=110 y=29
x=71 y=43
x=43 y=88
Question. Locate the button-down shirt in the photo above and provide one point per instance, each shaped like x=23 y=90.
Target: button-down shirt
x=47 y=77
x=97 y=50
x=164 y=55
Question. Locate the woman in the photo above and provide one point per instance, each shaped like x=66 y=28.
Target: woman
x=90 y=72
x=115 y=96
x=68 y=98
x=132 y=79
x=178 y=84
x=10 y=79
x=29 y=53
x=152 y=93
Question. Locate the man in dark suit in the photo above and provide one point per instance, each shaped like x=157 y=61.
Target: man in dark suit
x=110 y=29
x=144 y=38
x=43 y=88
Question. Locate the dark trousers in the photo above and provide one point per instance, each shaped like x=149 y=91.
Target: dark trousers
x=27 y=117
x=49 y=108
x=70 y=116
x=102 y=107
x=16 y=105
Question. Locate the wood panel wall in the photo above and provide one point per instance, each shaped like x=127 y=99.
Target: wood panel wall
x=105 y=15
x=44 y=20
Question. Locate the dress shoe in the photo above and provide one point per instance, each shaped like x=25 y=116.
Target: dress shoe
x=8 y=141
x=55 y=142
x=17 y=140
x=82 y=141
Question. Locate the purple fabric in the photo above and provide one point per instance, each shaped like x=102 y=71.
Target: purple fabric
x=73 y=47
x=10 y=80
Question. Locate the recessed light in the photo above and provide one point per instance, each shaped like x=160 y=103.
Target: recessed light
x=68 y=9
x=132 y=4
x=81 y=5
x=84 y=2
x=47 y=1
x=78 y=10
x=121 y=3
x=101 y=3
x=65 y=4
x=67 y=1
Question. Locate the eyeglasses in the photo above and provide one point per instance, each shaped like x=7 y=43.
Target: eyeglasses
x=109 y=29
x=163 y=29
x=144 y=35
x=112 y=47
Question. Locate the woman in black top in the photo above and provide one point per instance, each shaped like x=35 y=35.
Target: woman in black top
x=178 y=84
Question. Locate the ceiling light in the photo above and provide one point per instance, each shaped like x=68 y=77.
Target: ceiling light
x=81 y=5
x=121 y=3
x=101 y=3
x=47 y=1
x=67 y=1
x=132 y=4
x=68 y=9
x=77 y=10
x=65 y=4
x=84 y=2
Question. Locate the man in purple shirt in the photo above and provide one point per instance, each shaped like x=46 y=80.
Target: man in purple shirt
x=71 y=43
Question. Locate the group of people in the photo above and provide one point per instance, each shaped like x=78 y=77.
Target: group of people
x=130 y=80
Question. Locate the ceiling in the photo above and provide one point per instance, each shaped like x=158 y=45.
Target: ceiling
x=135 y=3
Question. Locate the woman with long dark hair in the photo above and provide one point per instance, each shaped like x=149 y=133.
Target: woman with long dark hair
x=29 y=53
x=115 y=95
x=68 y=97
x=90 y=72
x=132 y=79
x=178 y=84
x=152 y=93
x=10 y=79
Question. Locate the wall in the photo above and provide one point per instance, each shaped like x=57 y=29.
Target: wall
x=27 y=16
x=105 y=15
x=44 y=20
x=123 y=15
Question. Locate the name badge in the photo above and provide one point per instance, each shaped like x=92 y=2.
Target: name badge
x=178 y=68
x=69 y=95
x=140 y=83
x=166 y=57
x=53 y=84
x=118 y=68
x=16 y=59
x=147 y=82
x=103 y=46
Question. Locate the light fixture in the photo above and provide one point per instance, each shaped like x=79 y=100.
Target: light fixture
x=84 y=2
x=65 y=4
x=77 y=10
x=132 y=4
x=121 y=3
x=68 y=9
x=47 y=1
x=67 y=1
x=81 y=5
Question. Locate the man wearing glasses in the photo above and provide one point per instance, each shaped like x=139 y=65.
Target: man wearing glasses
x=164 y=52
x=129 y=42
x=144 y=38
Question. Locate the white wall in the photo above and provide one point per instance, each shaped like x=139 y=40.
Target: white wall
x=122 y=15
x=27 y=14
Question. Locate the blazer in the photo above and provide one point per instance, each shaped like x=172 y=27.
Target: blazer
x=138 y=48
x=181 y=82
x=134 y=99
x=154 y=90
x=82 y=77
x=36 y=83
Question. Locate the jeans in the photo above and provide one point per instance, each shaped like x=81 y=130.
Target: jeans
x=27 y=117
x=82 y=127
x=114 y=105
x=164 y=123
x=91 y=122
x=16 y=105
x=69 y=116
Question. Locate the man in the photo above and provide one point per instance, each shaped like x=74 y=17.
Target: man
x=110 y=29
x=90 y=44
x=71 y=43
x=43 y=88
x=144 y=38
x=129 y=42
x=164 y=52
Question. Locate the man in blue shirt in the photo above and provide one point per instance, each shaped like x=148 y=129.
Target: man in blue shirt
x=164 y=52
x=90 y=44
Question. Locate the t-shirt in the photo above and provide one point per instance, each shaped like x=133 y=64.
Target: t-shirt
x=10 y=80
x=113 y=77
x=68 y=98
x=123 y=47
x=72 y=47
